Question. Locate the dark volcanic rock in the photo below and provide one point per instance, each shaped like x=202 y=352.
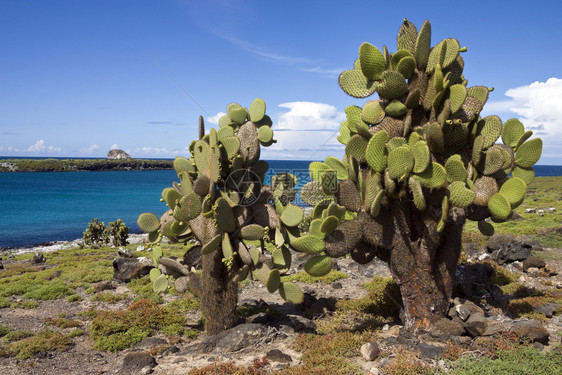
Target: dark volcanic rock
x=38 y=258
x=277 y=355
x=430 y=351
x=533 y=261
x=445 y=328
x=531 y=330
x=126 y=269
x=234 y=339
x=511 y=251
x=137 y=363
x=498 y=239
x=476 y=324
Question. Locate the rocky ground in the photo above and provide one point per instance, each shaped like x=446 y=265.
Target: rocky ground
x=490 y=282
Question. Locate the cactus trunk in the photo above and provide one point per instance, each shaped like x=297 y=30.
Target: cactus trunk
x=423 y=263
x=220 y=295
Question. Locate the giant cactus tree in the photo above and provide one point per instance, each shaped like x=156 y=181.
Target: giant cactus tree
x=221 y=200
x=418 y=162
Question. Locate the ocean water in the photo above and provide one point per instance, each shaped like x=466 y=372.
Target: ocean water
x=38 y=207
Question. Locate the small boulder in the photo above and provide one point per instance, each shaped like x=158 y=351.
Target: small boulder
x=509 y=252
x=445 y=328
x=103 y=285
x=533 y=261
x=531 y=330
x=126 y=269
x=137 y=363
x=234 y=339
x=548 y=310
x=370 y=351
x=498 y=239
x=181 y=284
x=38 y=258
x=476 y=324
x=277 y=355
x=173 y=267
x=430 y=351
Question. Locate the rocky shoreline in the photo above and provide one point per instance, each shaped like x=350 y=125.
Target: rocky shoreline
x=82 y=165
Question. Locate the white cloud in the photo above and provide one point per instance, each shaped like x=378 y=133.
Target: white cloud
x=40 y=146
x=114 y=146
x=90 y=150
x=308 y=131
x=215 y=119
x=538 y=106
x=152 y=151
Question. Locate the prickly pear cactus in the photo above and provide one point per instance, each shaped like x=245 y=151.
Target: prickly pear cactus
x=417 y=159
x=221 y=201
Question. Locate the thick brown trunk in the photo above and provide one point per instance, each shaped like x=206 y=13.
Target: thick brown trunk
x=218 y=296
x=423 y=263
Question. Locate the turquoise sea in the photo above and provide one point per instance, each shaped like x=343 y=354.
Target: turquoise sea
x=38 y=207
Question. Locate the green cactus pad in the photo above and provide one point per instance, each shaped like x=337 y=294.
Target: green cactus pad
x=422 y=156
x=160 y=284
x=281 y=258
x=457 y=95
x=478 y=92
x=523 y=138
x=318 y=266
x=148 y=222
x=227 y=249
x=181 y=164
x=337 y=211
x=526 y=174
x=375 y=152
x=499 y=206
x=338 y=166
x=257 y=110
x=307 y=244
x=224 y=216
x=400 y=162
x=396 y=108
x=154 y=237
x=315 y=228
x=395 y=143
x=292 y=216
x=156 y=254
x=529 y=153
x=372 y=112
x=171 y=196
x=355 y=84
x=291 y=292
x=317 y=169
x=477 y=148
x=273 y=281
x=212 y=245
x=407 y=36
x=433 y=177
x=356 y=147
x=231 y=146
x=179 y=227
x=255 y=255
x=417 y=193
x=252 y=232
x=444 y=214
x=512 y=131
x=423 y=45
x=459 y=195
x=492 y=161
x=393 y=86
x=154 y=273
x=265 y=134
x=376 y=204
x=329 y=224
x=190 y=207
x=372 y=61
x=491 y=128
x=486 y=228
x=455 y=169
x=238 y=115
x=413 y=99
x=434 y=137
x=406 y=66
x=514 y=190
x=224 y=122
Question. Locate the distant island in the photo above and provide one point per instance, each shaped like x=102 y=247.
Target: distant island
x=117 y=160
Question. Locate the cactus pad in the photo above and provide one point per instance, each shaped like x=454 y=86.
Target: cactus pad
x=292 y=216
x=307 y=244
x=375 y=152
x=356 y=147
x=257 y=110
x=514 y=190
x=148 y=222
x=372 y=112
x=394 y=85
x=396 y=108
x=459 y=195
x=434 y=176
x=529 y=153
x=372 y=61
x=291 y=292
x=252 y=232
x=499 y=206
x=400 y=162
x=160 y=284
x=485 y=228
x=318 y=266
x=355 y=84
x=512 y=131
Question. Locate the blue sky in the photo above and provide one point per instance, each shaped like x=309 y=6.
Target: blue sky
x=78 y=78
